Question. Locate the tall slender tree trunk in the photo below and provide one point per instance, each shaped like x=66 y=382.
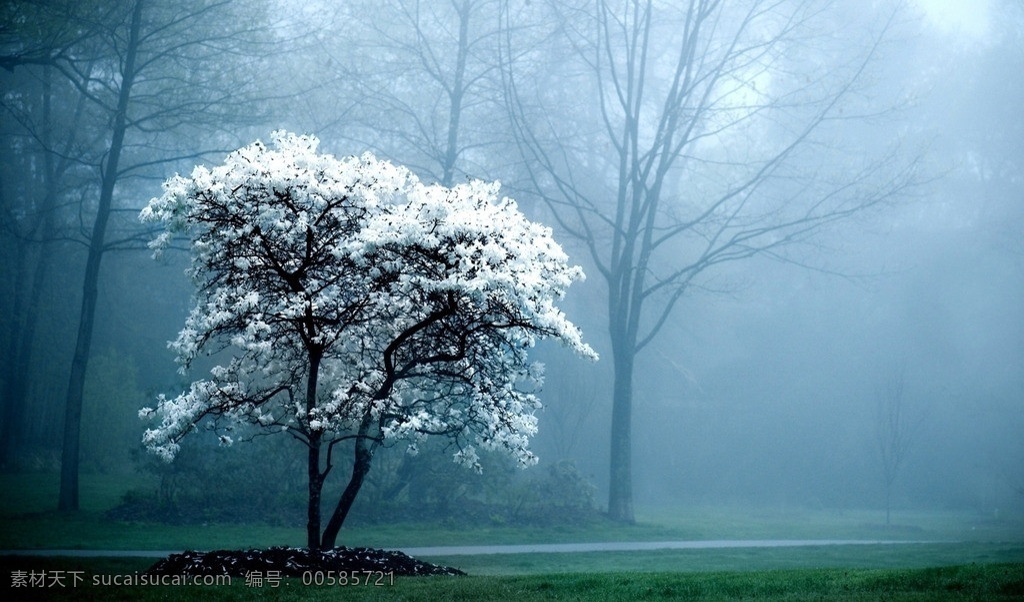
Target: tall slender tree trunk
x=888 y=503
x=620 y=484
x=15 y=376
x=25 y=315
x=16 y=389
x=630 y=256
x=68 y=499
x=455 y=97
x=625 y=300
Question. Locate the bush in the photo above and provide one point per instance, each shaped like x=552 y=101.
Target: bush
x=207 y=483
x=110 y=424
x=428 y=487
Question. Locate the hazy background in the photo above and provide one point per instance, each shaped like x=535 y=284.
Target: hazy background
x=764 y=386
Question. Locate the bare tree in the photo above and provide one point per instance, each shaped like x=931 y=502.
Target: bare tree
x=419 y=81
x=671 y=138
x=156 y=76
x=569 y=404
x=893 y=432
x=28 y=217
x=41 y=116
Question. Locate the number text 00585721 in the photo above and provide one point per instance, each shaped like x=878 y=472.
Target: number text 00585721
x=348 y=578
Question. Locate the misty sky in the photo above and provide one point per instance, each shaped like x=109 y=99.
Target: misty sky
x=965 y=18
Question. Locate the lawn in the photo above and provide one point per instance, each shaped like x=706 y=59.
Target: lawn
x=94 y=580
x=982 y=557
x=30 y=522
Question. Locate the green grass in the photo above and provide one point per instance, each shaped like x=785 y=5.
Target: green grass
x=970 y=582
x=983 y=556
x=740 y=559
x=28 y=521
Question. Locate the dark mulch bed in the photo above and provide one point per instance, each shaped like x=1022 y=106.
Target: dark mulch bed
x=293 y=562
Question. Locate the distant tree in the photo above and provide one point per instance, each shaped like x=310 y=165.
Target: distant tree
x=32 y=191
x=419 y=81
x=416 y=82
x=156 y=77
x=988 y=141
x=893 y=433
x=670 y=138
x=354 y=306
x=571 y=403
x=41 y=117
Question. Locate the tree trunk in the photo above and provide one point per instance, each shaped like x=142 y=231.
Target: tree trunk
x=316 y=484
x=455 y=96
x=620 y=484
x=888 y=504
x=15 y=394
x=68 y=499
x=365 y=444
x=14 y=368
x=625 y=301
x=25 y=315
x=316 y=478
x=364 y=450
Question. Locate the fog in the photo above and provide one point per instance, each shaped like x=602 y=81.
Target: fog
x=770 y=394
x=766 y=383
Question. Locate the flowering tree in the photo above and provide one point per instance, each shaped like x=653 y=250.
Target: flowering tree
x=354 y=307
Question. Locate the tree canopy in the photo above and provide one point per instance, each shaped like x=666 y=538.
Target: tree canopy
x=351 y=302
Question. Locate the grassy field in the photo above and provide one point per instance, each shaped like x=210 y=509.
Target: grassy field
x=983 y=556
x=29 y=521
x=972 y=582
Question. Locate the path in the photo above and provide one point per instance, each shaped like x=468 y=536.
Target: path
x=544 y=548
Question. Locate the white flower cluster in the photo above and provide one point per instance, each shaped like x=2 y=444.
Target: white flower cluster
x=408 y=308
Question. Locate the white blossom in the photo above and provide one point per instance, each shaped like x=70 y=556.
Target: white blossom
x=419 y=302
